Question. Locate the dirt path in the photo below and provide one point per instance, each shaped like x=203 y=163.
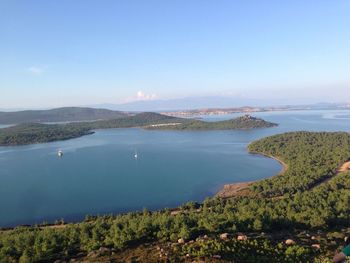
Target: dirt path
x=344 y=167
x=242 y=189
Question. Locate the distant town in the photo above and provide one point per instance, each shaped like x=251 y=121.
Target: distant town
x=249 y=109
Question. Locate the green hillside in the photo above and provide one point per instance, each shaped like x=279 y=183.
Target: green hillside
x=30 y=133
x=245 y=228
x=40 y=133
x=66 y=114
x=240 y=123
x=311 y=157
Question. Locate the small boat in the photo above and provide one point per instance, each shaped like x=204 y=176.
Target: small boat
x=60 y=153
x=136 y=155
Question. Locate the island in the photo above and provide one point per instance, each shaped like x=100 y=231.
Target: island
x=31 y=133
x=244 y=122
x=299 y=215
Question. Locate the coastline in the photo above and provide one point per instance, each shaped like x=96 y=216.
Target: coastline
x=242 y=188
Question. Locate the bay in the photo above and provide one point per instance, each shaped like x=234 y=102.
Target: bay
x=98 y=173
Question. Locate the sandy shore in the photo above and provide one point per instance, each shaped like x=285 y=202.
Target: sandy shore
x=230 y=190
x=242 y=188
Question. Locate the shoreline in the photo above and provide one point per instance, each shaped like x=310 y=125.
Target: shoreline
x=239 y=189
x=226 y=191
x=242 y=188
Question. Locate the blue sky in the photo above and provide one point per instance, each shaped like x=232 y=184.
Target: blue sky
x=63 y=52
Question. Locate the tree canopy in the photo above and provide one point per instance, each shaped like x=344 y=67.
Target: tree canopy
x=315 y=207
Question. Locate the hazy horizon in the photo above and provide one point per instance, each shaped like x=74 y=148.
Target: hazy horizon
x=81 y=53
x=195 y=103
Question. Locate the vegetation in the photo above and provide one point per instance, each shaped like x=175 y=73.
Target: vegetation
x=243 y=123
x=310 y=157
x=39 y=133
x=256 y=250
x=66 y=114
x=318 y=210
x=139 y=120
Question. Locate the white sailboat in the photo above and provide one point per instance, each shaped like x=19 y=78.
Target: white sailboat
x=136 y=155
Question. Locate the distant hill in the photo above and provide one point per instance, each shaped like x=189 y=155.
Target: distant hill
x=67 y=114
x=184 y=103
x=143 y=119
x=29 y=133
x=240 y=123
x=201 y=102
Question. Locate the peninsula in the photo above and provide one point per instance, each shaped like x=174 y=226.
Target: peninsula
x=244 y=122
x=300 y=216
x=30 y=133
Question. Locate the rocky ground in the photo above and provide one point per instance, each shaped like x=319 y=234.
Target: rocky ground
x=325 y=243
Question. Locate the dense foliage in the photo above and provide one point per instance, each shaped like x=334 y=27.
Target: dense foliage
x=311 y=157
x=320 y=208
x=39 y=133
x=59 y=115
x=253 y=251
x=138 y=120
x=243 y=122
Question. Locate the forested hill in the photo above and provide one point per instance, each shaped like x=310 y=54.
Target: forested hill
x=40 y=133
x=306 y=225
x=67 y=114
x=143 y=119
x=240 y=123
x=311 y=157
x=30 y=133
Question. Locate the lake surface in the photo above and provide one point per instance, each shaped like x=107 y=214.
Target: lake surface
x=99 y=174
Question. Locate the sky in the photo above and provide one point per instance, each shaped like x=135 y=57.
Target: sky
x=84 y=52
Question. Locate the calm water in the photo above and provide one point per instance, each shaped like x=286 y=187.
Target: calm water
x=98 y=173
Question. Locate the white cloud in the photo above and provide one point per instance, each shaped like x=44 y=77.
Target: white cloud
x=140 y=95
x=36 y=70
